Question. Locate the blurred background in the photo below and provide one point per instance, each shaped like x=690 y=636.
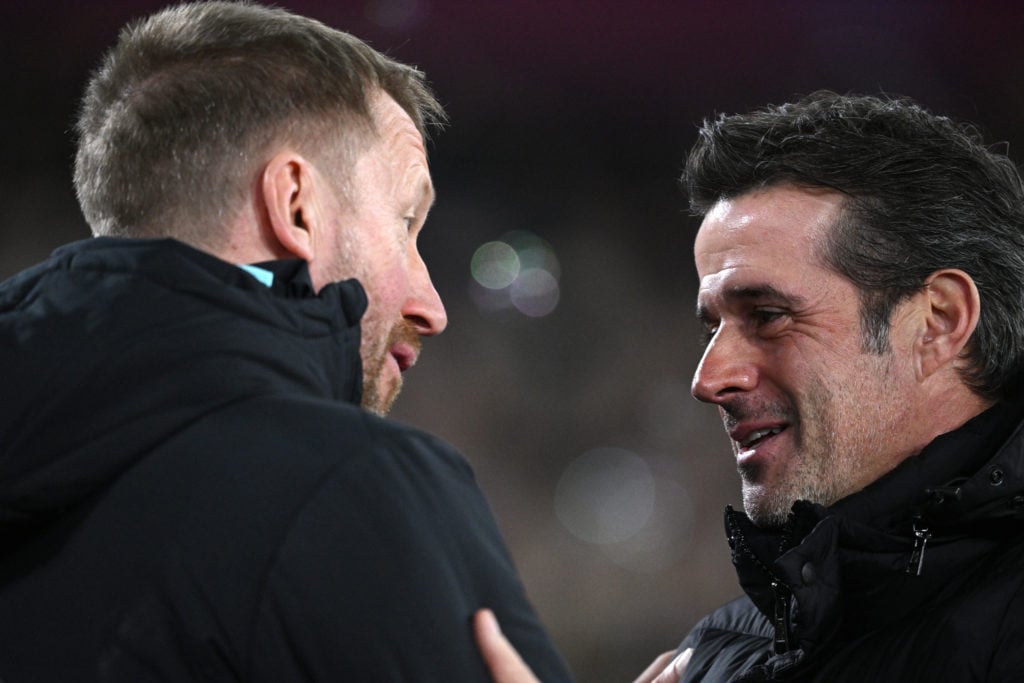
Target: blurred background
x=561 y=245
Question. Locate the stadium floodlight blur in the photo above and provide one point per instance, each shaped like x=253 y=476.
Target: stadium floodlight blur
x=519 y=271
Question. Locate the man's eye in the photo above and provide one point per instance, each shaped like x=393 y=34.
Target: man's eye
x=763 y=316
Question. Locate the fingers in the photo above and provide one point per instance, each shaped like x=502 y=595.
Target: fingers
x=656 y=667
x=667 y=668
x=506 y=666
x=673 y=673
x=504 y=663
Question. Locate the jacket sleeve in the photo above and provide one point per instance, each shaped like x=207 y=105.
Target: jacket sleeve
x=382 y=570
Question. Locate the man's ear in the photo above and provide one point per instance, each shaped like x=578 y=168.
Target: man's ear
x=951 y=311
x=290 y=200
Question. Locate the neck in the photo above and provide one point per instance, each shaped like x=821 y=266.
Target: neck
x=947 y=409
x=249 y=240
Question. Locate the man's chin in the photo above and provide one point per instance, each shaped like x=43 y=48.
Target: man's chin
x=765 y=509
x=378 y=399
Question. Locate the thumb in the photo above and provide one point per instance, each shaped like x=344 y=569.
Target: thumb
x=504 y=663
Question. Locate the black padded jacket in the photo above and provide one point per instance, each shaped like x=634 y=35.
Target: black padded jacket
x=190 y=492
x=919 y=577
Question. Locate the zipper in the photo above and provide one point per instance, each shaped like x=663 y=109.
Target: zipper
x=921 y=537
x=783 y=640
x=780 y=619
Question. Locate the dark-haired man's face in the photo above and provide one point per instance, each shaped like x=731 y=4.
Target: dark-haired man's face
x=811 y=414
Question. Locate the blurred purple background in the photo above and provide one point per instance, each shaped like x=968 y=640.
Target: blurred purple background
x=561 y=245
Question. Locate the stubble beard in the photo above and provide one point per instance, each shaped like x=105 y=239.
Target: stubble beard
x=376 y=340
x=825 y=465
x=818 y=470
x=378 y=395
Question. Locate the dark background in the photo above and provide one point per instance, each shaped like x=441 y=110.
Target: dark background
x=570 y=121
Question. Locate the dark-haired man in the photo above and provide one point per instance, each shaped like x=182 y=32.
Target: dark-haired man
x=861 y=265
x=189 y=490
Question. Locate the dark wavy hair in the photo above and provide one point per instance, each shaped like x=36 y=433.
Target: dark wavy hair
x=922 y=193
x=178 y=118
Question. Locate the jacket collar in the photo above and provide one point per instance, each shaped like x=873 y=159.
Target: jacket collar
x=842 y=568
x=113 y=346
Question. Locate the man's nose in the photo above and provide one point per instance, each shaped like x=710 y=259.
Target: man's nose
x=424 y=308
x=727 y=367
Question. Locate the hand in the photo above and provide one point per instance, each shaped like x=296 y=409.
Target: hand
x=666 y=668
x=502 y=659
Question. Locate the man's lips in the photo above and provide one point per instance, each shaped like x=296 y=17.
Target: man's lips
x=748 y=435
x=404 y=354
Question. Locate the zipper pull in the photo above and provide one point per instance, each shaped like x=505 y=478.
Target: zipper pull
x=921 y=536
x=781 y=618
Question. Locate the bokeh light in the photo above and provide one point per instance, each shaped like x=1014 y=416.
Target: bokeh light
x=495 y=265
x=605 y=496
x=518 y=271
x=665 y=538
x=533 y=251
x=535 y=292
x=634 y=509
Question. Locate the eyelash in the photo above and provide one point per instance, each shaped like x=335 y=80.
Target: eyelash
x=759 y=316
x=763 y=316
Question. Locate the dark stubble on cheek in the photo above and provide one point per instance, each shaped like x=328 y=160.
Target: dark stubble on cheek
x=809 y=472
x=813 y=472
x=827 y=460
x=378 y=398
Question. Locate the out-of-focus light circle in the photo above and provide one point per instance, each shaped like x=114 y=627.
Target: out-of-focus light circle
x=534 y=251
x=521 y=240
x=542 y=257
x=605 y=496
x=535 y=292
x=519 y=270
x=490 y=300
x=665 y=539
x=539 y=254
x=495 y=265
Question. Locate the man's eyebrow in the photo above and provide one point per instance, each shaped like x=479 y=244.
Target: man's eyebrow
x=758 y=292
x=763 y=292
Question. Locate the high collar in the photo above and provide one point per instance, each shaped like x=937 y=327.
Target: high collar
x=847 y=565
x=111 y=346
x=934 y=483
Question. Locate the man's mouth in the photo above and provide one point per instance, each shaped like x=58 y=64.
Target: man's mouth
x=749 y=436
x=403 y=345
x=758 y=436
x=404 y=355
